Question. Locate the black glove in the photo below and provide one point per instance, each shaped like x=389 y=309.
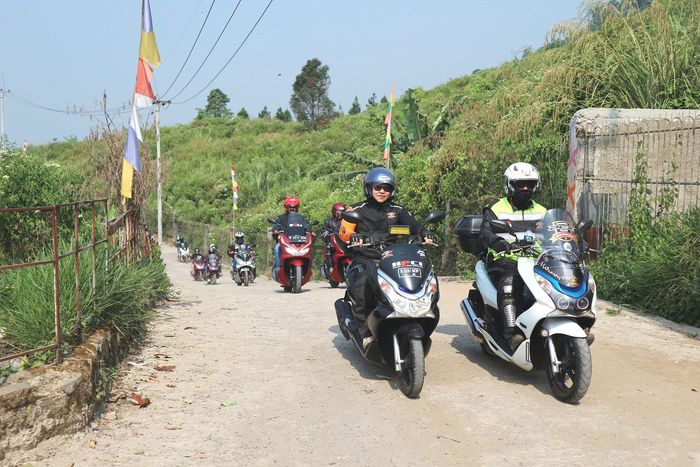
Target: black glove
x=429 y=236
x=501 y=245
x=355 y=238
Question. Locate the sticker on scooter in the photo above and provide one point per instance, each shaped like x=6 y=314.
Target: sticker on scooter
x=559 y=226
x=410 y=272
x=407 y=263
x=387 y=254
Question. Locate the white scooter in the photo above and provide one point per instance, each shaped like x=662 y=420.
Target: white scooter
x=557 y=303
x=183 y=252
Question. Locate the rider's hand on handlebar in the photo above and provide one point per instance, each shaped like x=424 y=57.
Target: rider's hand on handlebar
x=356 y=239
x=501 y=245
x=429 y=239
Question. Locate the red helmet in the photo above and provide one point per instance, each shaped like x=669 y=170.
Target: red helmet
x=291 y=202
x=337 y=207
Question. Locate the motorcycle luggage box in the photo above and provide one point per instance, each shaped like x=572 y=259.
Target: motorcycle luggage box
x=468 y=232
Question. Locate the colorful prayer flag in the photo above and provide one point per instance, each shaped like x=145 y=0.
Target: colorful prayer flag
x=387 y=122
x=143 y=93
x=234 y=184
x=132 y=161
x=149 y=48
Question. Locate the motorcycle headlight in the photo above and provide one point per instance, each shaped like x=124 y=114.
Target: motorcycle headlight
x=413 y=306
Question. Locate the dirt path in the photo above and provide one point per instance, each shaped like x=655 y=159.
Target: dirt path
x=262 y=377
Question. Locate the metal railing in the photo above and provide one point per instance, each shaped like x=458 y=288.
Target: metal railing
x=133 y=243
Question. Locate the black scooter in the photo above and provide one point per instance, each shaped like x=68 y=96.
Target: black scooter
x=406 y=295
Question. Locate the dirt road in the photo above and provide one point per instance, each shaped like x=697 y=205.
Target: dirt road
x=262 y=377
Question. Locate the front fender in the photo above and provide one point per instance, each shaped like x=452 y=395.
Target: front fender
x=563 y=326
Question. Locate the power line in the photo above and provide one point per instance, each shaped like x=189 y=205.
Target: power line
x=193 y=45
x=232 y=56
x=210 y=50
x=75 y=111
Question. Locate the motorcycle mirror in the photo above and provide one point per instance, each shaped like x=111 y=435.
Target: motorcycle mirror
x=435 y=216
x=351 y=216
x=584 y=225
x=313 y=223
x=270 y=220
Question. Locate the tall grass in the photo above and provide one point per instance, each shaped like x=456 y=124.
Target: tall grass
x=122 y=299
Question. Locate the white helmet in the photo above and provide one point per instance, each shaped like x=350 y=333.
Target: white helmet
x=520 y=171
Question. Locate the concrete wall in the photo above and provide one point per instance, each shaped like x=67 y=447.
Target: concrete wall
x=606 y=143
x=43 y=402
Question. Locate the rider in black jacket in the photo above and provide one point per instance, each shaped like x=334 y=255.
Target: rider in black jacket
x=378 y=213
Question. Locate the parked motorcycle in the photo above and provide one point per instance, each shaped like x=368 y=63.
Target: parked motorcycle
x=556 y=306
x=198 y=268
x=406 y=297
x=335 y=275
x=213 y=268
x=243 y=270
x=295 y=240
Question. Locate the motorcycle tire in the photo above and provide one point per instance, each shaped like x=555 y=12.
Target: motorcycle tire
x=574 y=377
x=212 y=279
x=296 y=280
x=287 y=288
x=246 y=278
x=334 y=285
x=413 y=369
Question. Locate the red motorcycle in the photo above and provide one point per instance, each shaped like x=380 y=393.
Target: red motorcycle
x=295 y=253
x=198 y=266
x=340 y=260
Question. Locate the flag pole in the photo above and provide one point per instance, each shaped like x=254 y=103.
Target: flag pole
x=160 y=194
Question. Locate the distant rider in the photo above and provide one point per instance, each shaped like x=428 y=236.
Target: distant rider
x=331 y=226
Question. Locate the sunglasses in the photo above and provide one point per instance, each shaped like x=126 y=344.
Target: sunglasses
x=384 y=188
x=522 y=184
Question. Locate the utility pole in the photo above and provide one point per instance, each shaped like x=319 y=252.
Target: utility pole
x=158 y=104
x=3 y=91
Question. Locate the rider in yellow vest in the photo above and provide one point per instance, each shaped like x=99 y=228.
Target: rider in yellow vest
x=521 y=181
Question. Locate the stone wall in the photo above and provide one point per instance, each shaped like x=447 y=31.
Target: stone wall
x=43 y=402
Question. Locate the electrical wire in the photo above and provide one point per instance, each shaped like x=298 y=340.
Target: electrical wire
x=24 y=101
x=210 y=50
x=191 y=49
x=232 y=56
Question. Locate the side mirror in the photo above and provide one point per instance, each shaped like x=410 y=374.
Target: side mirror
x=253 y=245
x=584 y=225
x=313 y=223
x=351 y=216
x=434 y=217
x=501 y=227
x=270 y=220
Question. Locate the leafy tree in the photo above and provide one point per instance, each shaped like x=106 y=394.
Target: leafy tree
x=243 y=113
x=372 y=101
x=264 y=113
x=383 y=100
x=310 y=102
x=283 y=115
x=217 y=103
x=355 y=108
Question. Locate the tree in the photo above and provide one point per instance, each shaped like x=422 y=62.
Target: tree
x=264 y=113
x=216 y=105
x=310 y=102
x=383 y=100
x=283 y=115
x=243 y=113
x=372 y=101
x=355 y=108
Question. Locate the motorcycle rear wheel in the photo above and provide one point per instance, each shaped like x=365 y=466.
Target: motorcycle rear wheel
x=574 y=377
x=334 y=285
x=413 y=369
x=296 y=280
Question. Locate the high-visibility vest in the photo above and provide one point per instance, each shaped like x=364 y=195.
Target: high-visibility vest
x=520 y=220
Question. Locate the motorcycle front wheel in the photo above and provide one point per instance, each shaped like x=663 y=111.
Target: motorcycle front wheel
x=296 y=280
x=413 y=368
x=246 y=278
x=574 y=377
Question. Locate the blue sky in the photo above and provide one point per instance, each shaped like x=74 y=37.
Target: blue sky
x=67 y=53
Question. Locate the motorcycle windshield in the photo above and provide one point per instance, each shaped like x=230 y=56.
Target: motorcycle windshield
x=244 y=253
x=560 y=257
x=407 y=264
x=296 y=228
x=213 y=261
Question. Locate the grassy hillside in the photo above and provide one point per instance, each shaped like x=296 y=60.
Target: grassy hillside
x=451 y=143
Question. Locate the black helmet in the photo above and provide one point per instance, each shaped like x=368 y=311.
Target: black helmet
x=379 y=176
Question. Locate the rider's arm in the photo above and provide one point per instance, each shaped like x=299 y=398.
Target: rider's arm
x=487 y=235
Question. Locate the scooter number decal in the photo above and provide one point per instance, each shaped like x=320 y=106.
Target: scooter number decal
x=407 y=263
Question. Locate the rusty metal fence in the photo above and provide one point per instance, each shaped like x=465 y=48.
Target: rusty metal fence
x=131 y=240
x=611 y=153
